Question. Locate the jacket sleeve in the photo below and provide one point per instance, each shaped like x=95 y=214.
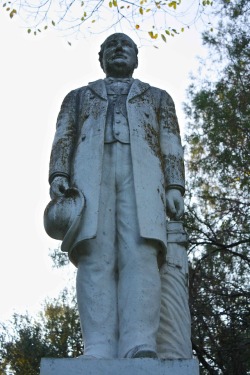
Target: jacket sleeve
x=65 y=136
x=170 y=143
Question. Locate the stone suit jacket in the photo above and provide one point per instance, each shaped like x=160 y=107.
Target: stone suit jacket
x=157 y=154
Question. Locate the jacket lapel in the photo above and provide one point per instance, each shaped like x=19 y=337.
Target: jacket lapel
x=98 y=87
x=137 y=89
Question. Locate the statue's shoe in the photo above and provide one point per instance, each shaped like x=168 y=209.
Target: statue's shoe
x=145 y=354
x=141 y=351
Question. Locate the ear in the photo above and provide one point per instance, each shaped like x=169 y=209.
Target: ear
x=136 y=65
x=101 y=63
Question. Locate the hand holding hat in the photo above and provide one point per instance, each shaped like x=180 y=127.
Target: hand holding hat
x=64 y=210
x=59 y=186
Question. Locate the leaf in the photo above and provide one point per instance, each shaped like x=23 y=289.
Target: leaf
x=141 y=11
x=110 y=4
x=163 y=38
x=167 y=32
x=137 y=27
x=12 y=13
x=152 y=35
x=69 y=43
x=173 y=4
x=29 y=31
x=182 y=29
x=115 y=3
x=53 y=23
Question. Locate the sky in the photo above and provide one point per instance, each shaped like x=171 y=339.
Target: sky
x=35 y=75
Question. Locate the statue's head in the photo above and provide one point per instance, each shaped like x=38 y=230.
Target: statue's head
x=118 y=56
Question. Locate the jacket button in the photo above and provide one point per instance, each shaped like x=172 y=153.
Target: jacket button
x=83 y=137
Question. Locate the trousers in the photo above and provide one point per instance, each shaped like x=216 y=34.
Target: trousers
x=118 y=281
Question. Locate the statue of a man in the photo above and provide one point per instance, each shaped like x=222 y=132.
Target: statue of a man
x=117 y=142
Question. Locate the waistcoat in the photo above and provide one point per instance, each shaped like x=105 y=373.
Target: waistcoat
x=117 y=127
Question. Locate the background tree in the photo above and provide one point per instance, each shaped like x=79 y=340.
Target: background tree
x=150 y=18
x=55 y=332
x=218 y=196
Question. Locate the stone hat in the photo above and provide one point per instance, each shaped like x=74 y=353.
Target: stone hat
x=62 y=214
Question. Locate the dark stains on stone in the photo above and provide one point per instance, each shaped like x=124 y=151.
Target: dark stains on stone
x=152 y=137
x=174 y=168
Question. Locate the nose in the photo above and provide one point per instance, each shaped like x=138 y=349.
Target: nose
x=119 y=46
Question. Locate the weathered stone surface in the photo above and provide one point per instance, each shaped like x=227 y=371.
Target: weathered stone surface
x=80 y=366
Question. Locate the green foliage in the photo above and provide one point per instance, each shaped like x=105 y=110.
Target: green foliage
x=23 y=355
x=59 y=258
x=218 y=139
x=55 y=332
x=148 y=17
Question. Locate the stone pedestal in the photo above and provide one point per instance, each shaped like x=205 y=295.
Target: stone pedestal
x=82 y=366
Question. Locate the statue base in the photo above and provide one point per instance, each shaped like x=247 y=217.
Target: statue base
x=138 y=366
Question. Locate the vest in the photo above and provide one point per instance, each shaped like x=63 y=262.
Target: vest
x=117 y=127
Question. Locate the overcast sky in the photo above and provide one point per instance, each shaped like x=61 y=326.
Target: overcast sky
x=36 y=73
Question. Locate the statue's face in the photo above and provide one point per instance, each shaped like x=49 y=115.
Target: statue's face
x=119 y=56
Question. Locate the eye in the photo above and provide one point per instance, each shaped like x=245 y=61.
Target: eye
x=127 y=43
x=111 y=44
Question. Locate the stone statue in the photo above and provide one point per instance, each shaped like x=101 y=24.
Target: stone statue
x=116 y=168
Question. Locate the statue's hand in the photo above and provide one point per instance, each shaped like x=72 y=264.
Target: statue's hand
x=58 y=186
x=174 y=204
